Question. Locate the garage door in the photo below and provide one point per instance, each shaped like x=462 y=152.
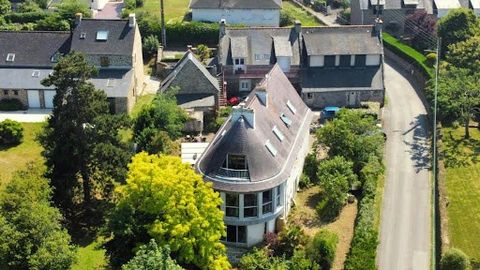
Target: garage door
x=48 y=95
x=33 y=99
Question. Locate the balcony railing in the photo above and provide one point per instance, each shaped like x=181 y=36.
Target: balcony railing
x=233 y=174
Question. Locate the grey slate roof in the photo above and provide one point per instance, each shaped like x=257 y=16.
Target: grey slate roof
x=119 y=42
x=32 y=48
x=192 y=78
x=236 y=4
x=237 y=136
x=341 y=40
x=331 y=80
x=188 y=101
x=21 y=78
x=115 y=83
x=391 y=4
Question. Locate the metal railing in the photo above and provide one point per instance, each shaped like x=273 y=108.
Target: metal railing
x=232 y=173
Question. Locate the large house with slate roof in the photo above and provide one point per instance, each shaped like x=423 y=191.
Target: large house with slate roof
x=256 y=158
x=246 y=12
x=329 y=66
x=113 y=46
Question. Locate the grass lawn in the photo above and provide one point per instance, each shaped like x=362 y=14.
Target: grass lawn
x=304 y=214
x=174 y=9
x=91 y=257
x=299 y=14
x=16 y=157
x=463 y=191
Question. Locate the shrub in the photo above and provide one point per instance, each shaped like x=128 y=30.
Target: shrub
x=150 y=46
x=300 y=261
x=11 y=104
x=304 y=181
x=11 y=132
x=289 y=240
x=185 y=33
x=139 y=3
x=454 y=259
x=203 y=52
x=322 y=249
x=286 y=19
x=257 y=259
x=26 y=17
x=431 y=58
x=310 y=168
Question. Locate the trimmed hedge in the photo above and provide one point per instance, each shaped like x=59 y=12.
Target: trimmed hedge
x=408 y=53
x=27 y=17
x=11 y=104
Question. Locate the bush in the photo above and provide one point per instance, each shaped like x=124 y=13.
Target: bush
x=431 y=58
x=203 y=52
x=454 y=259
x=290 y=240
x=11 y=132
x=257 y=259
x=310 y=168
x=322 y=249
x=150 y=46
x=27 y=17
x=11 y=104
x=286 y=19
x=304 y=181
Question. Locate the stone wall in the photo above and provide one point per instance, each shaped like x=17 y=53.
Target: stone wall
x=21 y=95
x=341 y=98
x=120 y=61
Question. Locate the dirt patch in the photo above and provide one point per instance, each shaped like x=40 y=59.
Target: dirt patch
x=304 y=215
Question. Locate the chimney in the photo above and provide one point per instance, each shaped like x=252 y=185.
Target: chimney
x=189 y=48
x=298 y=26
x=262 y=94
x=377 y=27
x=78 y=18
x=242 y=112
x=132 y=20
x=223 y=24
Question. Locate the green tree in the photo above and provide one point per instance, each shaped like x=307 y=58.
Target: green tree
x=150 y=46
x=466 y=54
x=458 y=25
x=31 y=235
x=337 y=165
x=203 y=52
x=11 y=132
x=53 y=22
x=454 y=259
x=151 y=256
x=5 y=7
x=83 y=151
x=29 y=6
x=322 y=249
x=68 y=8
x=162 y=114
x=166 y=200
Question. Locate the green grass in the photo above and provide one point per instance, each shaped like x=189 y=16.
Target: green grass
x=408 y=52
x=91 y=257
x=463 y=192
x=174 y=9
x=299 y=14
x=16 y=157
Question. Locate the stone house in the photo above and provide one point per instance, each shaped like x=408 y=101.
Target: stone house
x=329 y=66
x=246 y=12
x=256 y=159
x=112 y=46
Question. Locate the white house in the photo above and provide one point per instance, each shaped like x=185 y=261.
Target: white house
x=246 y=12
x=256 y=159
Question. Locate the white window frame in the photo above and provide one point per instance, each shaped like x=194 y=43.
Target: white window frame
x=264 y=204
x=255 y=206
x=10 y=57
x=237 y=207
x=278 y=195
x=248 y=84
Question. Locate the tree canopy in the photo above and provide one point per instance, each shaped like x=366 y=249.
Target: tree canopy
x=466 y=54
x=458 y=25
x=151 y=256
x=31 y=235
x=166 y=200
x=454 y=259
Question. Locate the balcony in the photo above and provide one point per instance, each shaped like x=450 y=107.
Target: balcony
x=233 y=174
x=255 y=72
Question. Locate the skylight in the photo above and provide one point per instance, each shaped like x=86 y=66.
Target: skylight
x=111 y=83
x=83 y=35
x=291 y=107
x=36 y=73
x=278 y=133
x=10 y=57
x=286 y=120
x=55 y=57
x=271 y=148
x=102 y=35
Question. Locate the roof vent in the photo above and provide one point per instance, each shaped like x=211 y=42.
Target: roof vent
x=10 y=57
x=291 y=107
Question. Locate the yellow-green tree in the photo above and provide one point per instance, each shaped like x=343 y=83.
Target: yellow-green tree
x=166 y=200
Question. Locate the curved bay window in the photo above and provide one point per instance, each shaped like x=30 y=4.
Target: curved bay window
x=267 y=202
x=250 y=208
x=232 y=205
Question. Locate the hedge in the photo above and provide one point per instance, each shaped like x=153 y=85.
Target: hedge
x=408 y=53
x=27 y=17
x=11 y=104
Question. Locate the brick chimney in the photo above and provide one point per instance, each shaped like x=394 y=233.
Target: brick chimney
x=223 y=24
x=298 y=26
x=132 y=21
x=78 y=18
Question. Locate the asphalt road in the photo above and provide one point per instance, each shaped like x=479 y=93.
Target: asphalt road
x=406 y=214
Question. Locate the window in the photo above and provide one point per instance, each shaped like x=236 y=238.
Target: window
x=104 y=61
x=266 y=56
x=291 y=107
x=236 y=234
x=267 y=202
x=10 y=57
x=102 y=35
x=286 y=120
x=278 y=195
x=236 y=162
x=5 y=92
x=258 y=57
x=330 y=60
x=239 y=61
x=250 y=205
x=344 y=60
x=231 y=205
x=242 y=61
x=309 y=95
x=271 y=148
x=245 y=85
x=15 y=92
x=360 y=60
x=278 y=133
x=36 y=73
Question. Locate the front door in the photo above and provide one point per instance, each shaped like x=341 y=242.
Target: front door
x=33 y=99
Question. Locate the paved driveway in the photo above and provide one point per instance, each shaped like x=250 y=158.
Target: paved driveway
x=32 y=115
x=406 y=214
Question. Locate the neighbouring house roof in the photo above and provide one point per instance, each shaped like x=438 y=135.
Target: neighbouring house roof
x=115 y=37
x=32 y=48
x=115 y=83
x=257 y=141
x=447 y=4
x=341 y=40
x=23 y=78
x=235 y=4
x=196 y=86
x=332 y=80
x=192 y=151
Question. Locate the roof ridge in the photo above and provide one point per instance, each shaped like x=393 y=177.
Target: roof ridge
x=116 y=20
x=35 y=31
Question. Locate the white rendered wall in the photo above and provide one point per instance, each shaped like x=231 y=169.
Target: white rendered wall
x=317 y=60
x=250 y=17
x=255 y=233
x=373 y=60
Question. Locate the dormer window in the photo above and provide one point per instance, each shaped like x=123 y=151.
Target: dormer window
x=235 y=162
x=83 y=35
x=287 y=121
x=10 y=57
x=102 y=36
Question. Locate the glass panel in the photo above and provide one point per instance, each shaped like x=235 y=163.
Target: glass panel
x=231 y=212
x=267 y=208
x=242 y=234
x=237 y=162
x=231 y=199
x=250 y=200
x=279 y=197
x=231 y=233
x=250 y=212
x=267 y=201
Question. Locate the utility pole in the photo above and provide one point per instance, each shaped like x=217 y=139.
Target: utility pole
x=434 y=169
x=162 y=17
